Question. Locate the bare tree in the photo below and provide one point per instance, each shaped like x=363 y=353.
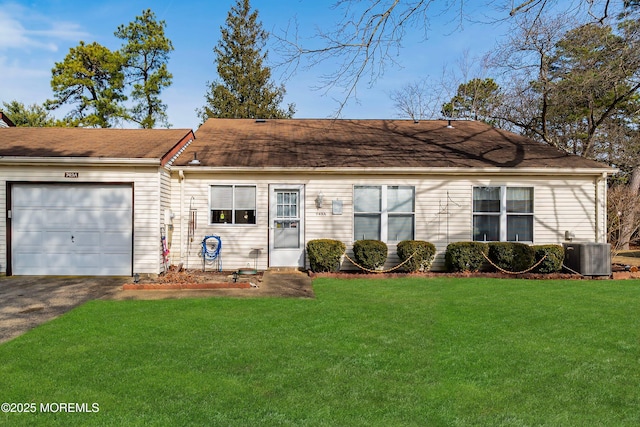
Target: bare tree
x=423 y=99
x=623 y=214
x=367 y=38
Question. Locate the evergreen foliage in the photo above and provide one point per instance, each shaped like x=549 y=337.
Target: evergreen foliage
x=511 y=256
x=245 y=88
x=33 y=115
x=476 y=100
x=370 y=254
x=423 y=254
x=146 y=51
x=324 y=255
x=465 y=256
x=553 y=261
x=91 y=79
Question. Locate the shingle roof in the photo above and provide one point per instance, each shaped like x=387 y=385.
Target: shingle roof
x=311 y=143
x=96 y=143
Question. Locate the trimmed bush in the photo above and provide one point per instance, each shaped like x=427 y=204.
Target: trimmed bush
x=424 y=253
x=465 y=256
x=554 y=260
x=324 y=255
x=511 y=256
x=370 y=254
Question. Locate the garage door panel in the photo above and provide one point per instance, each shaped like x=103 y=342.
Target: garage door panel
x=89 y=218
x=72 y=229
x=54 y=197
x=114 y=240
x=90 y=260
x=27 y=239
x=23 y=217
x=86 y=240
x=29 y=197
x=117 y=218
x=57 y=218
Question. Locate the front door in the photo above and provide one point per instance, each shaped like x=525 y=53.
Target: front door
x=286 y=225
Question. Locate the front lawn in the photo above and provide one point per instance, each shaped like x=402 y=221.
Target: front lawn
x=383 y=352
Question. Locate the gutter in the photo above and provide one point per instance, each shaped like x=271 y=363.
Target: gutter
x=403 y=171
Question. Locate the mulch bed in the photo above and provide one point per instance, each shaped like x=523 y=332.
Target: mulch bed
x=178 y=279
x=431 y=274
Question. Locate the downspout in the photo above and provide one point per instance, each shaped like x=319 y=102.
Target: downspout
x=600 y=213
x=182 y=248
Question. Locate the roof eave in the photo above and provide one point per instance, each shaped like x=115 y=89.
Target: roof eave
x=401 y=171
x=79 y=161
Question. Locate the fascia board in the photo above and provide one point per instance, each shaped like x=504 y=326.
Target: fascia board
x=402 y=171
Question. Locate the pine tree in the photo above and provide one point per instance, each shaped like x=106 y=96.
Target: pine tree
x=91 y=79
x=33 y=115
x=245 y=88
x=146 y=50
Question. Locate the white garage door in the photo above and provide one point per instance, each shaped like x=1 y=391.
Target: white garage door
x=71 y=229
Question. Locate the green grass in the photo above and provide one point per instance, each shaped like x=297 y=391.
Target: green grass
x=396 y=352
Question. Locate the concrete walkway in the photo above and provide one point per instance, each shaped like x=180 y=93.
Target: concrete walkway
x=28 y=301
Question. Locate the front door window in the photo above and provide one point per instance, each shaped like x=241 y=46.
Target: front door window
x=287 y=221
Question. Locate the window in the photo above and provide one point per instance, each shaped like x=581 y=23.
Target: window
x=233 y=204
x=503 y=214
x=384 y=213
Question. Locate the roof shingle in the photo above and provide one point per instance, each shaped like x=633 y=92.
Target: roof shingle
x=326 y=143
x=95 y=143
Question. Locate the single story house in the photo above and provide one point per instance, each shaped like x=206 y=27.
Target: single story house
x=266 y=187
x=84 y=201
x=111 y=202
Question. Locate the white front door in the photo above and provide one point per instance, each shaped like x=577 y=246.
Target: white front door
x=286 y=225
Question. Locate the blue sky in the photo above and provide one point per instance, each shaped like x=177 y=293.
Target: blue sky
x=34 y=35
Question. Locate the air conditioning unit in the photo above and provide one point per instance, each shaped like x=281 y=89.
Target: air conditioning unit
x=588 y=259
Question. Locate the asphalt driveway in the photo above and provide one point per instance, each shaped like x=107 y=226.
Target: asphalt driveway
x=28 y=301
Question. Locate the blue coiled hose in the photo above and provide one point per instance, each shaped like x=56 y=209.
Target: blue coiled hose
x=210 y=255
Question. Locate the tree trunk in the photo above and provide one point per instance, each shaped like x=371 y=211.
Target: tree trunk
x=629 y=218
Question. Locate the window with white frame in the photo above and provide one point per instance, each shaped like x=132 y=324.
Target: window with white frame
x=503 y=214
x=233 y=204
x=384 y=212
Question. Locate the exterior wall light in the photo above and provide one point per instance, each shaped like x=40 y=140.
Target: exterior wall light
x=319 y=200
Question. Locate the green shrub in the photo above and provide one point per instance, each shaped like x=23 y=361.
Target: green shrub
x=465 y=256
x=511 y=256
x=424 y=253
x=324 y=255
x=370 y=254
x=554 y=260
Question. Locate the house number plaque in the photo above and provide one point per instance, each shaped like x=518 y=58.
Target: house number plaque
x=71 y=174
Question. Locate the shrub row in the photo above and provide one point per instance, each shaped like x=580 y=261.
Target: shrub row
x=325 y=255
x=509 y=256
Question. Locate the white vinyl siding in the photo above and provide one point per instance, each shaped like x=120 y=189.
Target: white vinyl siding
x=443 y=211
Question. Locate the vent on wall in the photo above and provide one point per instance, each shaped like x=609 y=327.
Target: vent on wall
x=588 y=259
